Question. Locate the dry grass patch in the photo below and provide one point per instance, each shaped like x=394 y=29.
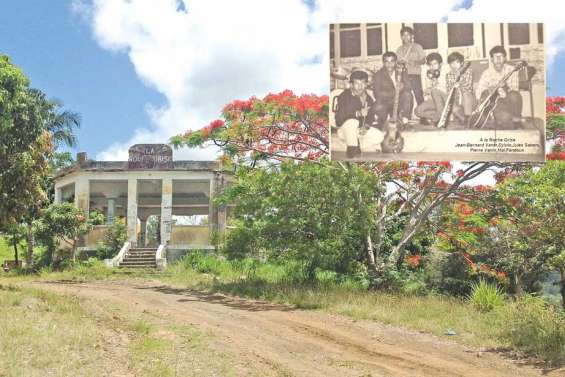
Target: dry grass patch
x=48 y=334
x=45 y=334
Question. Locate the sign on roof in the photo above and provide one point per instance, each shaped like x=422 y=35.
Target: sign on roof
x=150 y=156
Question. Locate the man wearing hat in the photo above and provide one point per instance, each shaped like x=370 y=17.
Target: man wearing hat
x=354 y=112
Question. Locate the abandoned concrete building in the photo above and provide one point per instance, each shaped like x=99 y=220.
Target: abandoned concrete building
x=166 y=204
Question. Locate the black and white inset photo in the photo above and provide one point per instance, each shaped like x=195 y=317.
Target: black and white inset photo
x=437 y=91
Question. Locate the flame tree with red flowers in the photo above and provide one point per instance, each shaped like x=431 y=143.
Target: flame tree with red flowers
x=285 y=126
x=555 y=110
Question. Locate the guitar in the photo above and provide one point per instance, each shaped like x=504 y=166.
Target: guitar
x=444 y=117
x=393 y=142
x=481 y=114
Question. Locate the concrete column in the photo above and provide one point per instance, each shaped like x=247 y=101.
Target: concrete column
x=82 y=193
x=166 y=210
x=111 y=210
x=132 y=210
x=212 y=218
x=58 y=195
x=222 y=210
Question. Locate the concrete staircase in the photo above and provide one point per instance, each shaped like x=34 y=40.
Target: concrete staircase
x=140 y=257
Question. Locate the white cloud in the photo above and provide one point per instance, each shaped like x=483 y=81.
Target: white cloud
x=216 y=51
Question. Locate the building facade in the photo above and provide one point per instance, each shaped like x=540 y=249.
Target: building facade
x=162 y=201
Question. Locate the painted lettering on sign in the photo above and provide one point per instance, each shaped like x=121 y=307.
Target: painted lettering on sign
x=150 y=156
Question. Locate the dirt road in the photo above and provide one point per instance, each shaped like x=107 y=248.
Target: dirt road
x=273 y=340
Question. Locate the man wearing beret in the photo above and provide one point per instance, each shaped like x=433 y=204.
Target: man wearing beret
x=354 y=112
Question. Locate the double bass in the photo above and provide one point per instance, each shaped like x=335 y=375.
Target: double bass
x=481 y=114
x=393 y=142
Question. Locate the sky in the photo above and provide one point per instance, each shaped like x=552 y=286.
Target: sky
x=140 y=71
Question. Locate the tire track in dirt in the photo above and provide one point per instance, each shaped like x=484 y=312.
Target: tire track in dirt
x=276 y=340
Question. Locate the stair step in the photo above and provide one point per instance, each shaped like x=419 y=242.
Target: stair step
x=138 y=264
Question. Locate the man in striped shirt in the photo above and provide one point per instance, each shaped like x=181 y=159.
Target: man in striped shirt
x=508 y=110
x=464 y=97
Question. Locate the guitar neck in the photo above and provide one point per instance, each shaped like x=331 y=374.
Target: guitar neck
x=502 y=82
x=395 y=107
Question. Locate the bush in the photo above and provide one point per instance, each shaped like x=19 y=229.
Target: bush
x=114 y=239
x=535 y=328
x=485 y=296
x=453 y=275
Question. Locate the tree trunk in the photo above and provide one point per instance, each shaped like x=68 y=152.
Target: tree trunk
x=74 y=250
x=372 y=267
x=397 y=254
x=562 y=270
x=30 y=245
x=15 y=243
x=517 y=284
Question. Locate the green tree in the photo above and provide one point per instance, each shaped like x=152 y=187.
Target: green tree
x=114 y=238
x=531 y=212
x=31 y=127
x=25 y=146
x=284 y=126
x=14 y=235
x=61 y=222
x=303 y=212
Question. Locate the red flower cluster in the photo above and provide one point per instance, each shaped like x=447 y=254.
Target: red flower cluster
x=240 y=105
x=502 y=175
x=482 y=188
x=443 y=164
x=302 y=104
x=555 y=105
x=215 y=124
x=464 y=209
x=413 y=260
x=555 y=156
x=485 y=269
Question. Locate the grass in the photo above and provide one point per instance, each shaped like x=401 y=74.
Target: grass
x=34 y=321
x=485 y=296
x=434 y=314
x=529 y=326
x=7 y=251
x=42 y=334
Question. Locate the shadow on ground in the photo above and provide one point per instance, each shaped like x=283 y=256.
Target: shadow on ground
x=217 y=298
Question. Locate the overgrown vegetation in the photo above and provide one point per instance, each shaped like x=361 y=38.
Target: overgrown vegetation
x=486 y=297
x=114 y=238
x=529 y=325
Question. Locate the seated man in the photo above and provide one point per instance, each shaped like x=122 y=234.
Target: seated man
x=386 y=82
x=354 y=112
x=435 y=95
x=508 y=110
x=464 y=100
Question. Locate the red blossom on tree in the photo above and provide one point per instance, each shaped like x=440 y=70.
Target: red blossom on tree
x=413 y=260
x=278 y=127
x=555 y=117
x=283 y=126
